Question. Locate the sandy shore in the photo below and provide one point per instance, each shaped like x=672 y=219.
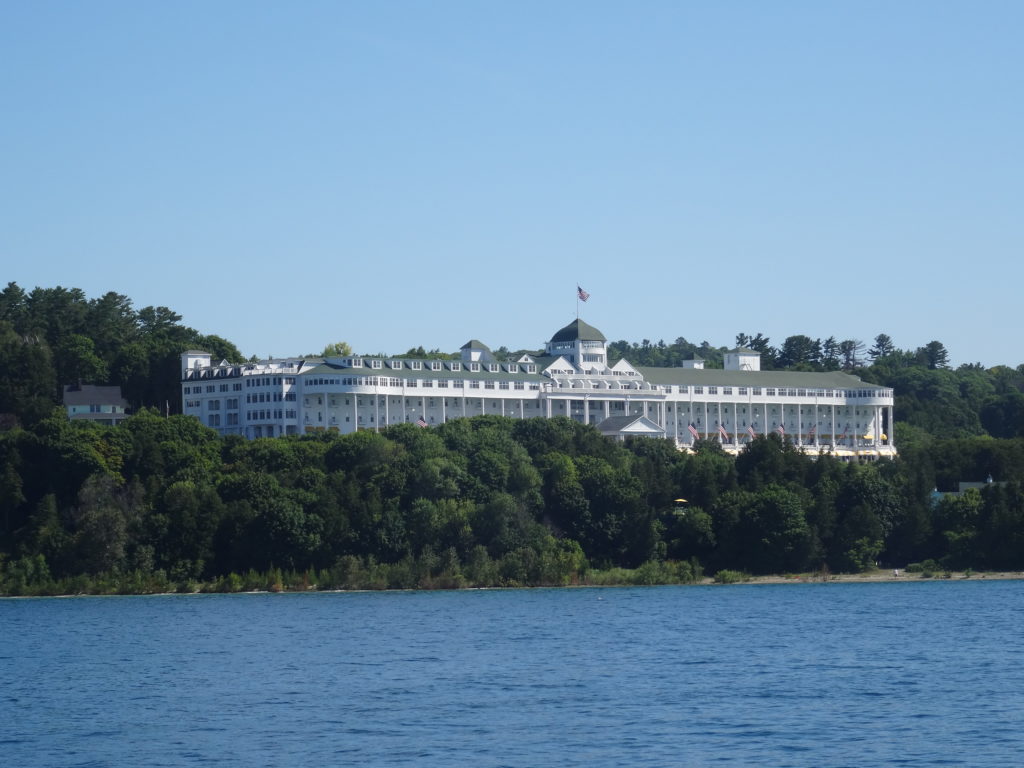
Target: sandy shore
x=879 y=575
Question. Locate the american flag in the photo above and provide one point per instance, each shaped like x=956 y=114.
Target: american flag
x=781 y=429
x=693 y=431
x=722 y=432
x=421 y=422
x=583 y=295
x=751 y=432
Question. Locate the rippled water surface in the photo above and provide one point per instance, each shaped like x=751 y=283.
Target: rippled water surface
x=792 y=675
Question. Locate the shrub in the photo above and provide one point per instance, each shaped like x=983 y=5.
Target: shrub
x=726 y=576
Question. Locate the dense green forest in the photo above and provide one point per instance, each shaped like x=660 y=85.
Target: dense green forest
x=162 y=503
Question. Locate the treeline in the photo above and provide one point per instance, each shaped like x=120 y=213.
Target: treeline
x=164 y=503
x=51 y=337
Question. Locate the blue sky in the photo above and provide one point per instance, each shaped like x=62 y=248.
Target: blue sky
x=404 y=173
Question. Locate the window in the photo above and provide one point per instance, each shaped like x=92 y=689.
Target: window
x=475 y=367
x=376 y=363
x=698 y=390
x=416 y=365
x=726 y=390
x=435 y=365
x=474 y=385
x=712 y=390
x=770 y=392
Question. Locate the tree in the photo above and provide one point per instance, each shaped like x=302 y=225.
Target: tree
x=830 y=354
x=933 y=355
x=850 y=352
x=77 y=362
x=337 y=349
x=799 y=351
x=883 y=347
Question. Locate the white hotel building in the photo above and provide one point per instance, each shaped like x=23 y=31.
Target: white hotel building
x=819 y=412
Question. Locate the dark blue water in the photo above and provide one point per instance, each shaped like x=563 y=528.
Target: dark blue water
x=793 y=675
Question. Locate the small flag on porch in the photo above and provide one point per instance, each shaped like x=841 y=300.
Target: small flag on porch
x=751 y=432
x=723 y=433
x=781 y=429
x=693 y=431
x=581 y=294
x=421 y=422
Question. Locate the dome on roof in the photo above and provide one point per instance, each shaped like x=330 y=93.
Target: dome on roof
x=577 y=330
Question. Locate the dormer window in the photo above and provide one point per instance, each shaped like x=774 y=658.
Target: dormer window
x=493 y=367
x=376 y=363
x=435 y=365
x=416 y=365
x=456 y=366
x=475 y=367
x=395 y=364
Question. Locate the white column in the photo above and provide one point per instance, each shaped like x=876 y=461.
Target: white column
x=675 y=407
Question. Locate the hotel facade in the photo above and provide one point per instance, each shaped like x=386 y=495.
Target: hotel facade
x=819 y=412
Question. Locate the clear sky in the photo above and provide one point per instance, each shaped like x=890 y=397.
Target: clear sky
x=396 y=174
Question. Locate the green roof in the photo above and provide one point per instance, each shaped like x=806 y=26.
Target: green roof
x=577 y=330
x=718 y=377
x=405 y=372
x=474 y=344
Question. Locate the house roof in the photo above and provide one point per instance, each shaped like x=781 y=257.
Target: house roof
x=637 y=425
x=578 y=330
x=474 y=344
x=91 y=394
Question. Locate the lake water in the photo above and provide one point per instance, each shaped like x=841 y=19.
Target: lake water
x=916 y=674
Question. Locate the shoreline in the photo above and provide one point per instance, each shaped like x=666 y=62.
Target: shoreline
x=877 y=576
